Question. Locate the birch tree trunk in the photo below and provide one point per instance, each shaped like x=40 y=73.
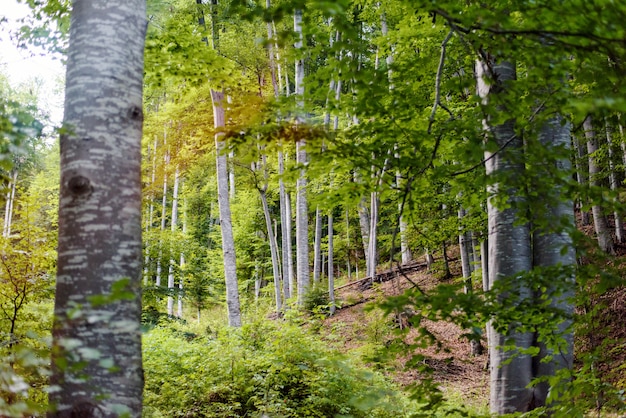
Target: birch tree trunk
x=601 y=225
x=509 y=251
x=96 y=348
x=226 y=226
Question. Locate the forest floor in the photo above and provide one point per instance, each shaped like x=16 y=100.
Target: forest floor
x=457 y=372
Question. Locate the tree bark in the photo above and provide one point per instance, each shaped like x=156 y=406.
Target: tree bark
x=553 y=246
x=166 y=161
x=331 y=264
x=372 y=249
x=182 y=261
x=302 y=215
x=271 y=237
x=226 y=226
x=174 y=225
x=619 y=225
x=317 y=247
x=302 y=228
x=146 y=262
x=96 y=349
x=509 y=251
x=603 y=232
x=8 y=214
x=285 y=228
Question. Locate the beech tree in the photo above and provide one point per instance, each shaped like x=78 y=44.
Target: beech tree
x=96 y=337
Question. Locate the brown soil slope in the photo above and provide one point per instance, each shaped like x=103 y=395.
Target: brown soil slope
x=455 y=369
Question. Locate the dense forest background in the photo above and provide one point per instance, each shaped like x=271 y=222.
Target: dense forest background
x=455 y=163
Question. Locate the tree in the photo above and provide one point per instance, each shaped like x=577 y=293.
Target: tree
x=302 y=215
x=96 y=337
x=228 y=240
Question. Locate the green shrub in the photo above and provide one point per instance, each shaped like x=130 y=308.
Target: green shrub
x=264 y=368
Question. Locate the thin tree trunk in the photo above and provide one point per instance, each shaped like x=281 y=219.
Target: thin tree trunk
x=372 y=249
x=174 y=225
x=331 y=265
x=270 y=51
x=603 y=232
x=182 y=261
x=289 y=218
x=302 y=216
x=231 y=175
x=285 y=228
x=166 y=161
x=271 y=237
x=317 y=247
x=582 y=176
x=348 y=246
x=273 y=251
x=464 y=243
x=8 y=214
x=622 y=142
x=228 y=242
x=619 y=225
x=146 y=262
x=96 y=349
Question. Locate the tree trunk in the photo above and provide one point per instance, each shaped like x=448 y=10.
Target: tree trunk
x=8 y=214
x=509 y=252
x=273 y=250
x=182 y=262
x=372 y=249
x=302 y=225
x=271 y=237
x=317 y=247
x=96 y=348
x=270 y=51
x=465 y=242
x=166 y=161
x=146 y=262
x=619 y=225
x=603 y=232
x=553 y=246
x=348 y=246
x=231 y=175
x=228 y=241
x=331 y=265
x=582 y=176
x=285 y=228
x=174 y=225
x=302 y=215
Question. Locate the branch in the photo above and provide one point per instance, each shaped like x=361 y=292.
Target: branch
x=442 y=60
x=456 y=24
x=508 y=141
x=483 y=161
